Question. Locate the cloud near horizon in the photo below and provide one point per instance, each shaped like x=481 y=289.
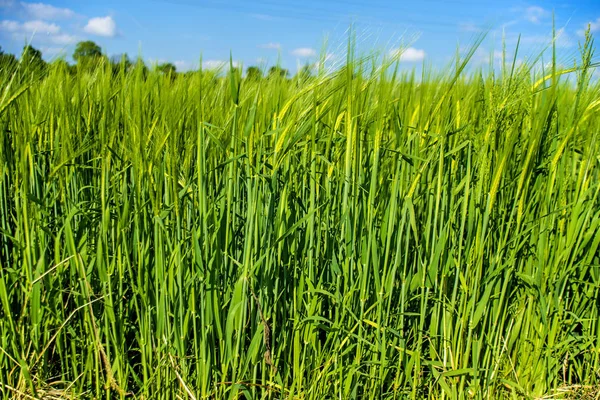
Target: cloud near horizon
x=41 y=31
x=271 y=46
x=534 y=14
x=217 y=64
x=304 y=52
x=47 y=11
x=101 y=26
x=183 y=66
x=594 y=27
x=410 y=54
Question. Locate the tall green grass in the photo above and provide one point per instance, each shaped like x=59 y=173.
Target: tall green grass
x=362 y=234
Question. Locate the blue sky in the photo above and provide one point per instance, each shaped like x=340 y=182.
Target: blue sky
x=294 y=32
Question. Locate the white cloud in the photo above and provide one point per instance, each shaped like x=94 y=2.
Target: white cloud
x=494 y=58
x=263 y=17
x=562 y=39
x=10 y=26
x=213 y=64
x=64 y=39
x=328 y=63
x=184 y=66
x=594 y=27
x=304 y=52
x=468 y=27
x=218 y=64
x=53 y=51
x=42 y=32
x=534 y=14
x=181 y=65
x=155 y=61
x=484 y=57
x=101 y=26
x=328 y=58
x=479 y=57
x=410 y=54
x=41 y=27
x=271 y=45
x=47 y=11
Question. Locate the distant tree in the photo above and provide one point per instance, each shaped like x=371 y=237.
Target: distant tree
x=140 y=67
x=238 y=71
x=253 y=73
x=167 y=69
x=277 y=71
x=121 y=60
x=87 y=53
x=306 y=72
x=32 y=58
x=62 y=65
x=7 y=61
x=31 y=53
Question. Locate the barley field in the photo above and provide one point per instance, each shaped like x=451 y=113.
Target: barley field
x=367 y=233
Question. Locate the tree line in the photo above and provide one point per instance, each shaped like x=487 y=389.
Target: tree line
x=88 y=55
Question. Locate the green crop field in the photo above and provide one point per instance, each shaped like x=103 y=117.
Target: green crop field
x=368 y=233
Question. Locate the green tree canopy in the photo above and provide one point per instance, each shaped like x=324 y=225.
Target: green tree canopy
x=32 y=58
x=253 y=73
x=277 y=71
x=305 y=72
x=62 y=65
x=139 y=67
x=31 y=53
x=87 y=51
x=123 y=58
x=120 y=62
x=7 y=61
x=167 y=68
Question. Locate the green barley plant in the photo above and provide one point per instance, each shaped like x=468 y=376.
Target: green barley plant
x=365 y=233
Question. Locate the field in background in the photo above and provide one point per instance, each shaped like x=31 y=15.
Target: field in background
x=362 y=234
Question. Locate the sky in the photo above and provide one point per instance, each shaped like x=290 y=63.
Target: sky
x=295 y=32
